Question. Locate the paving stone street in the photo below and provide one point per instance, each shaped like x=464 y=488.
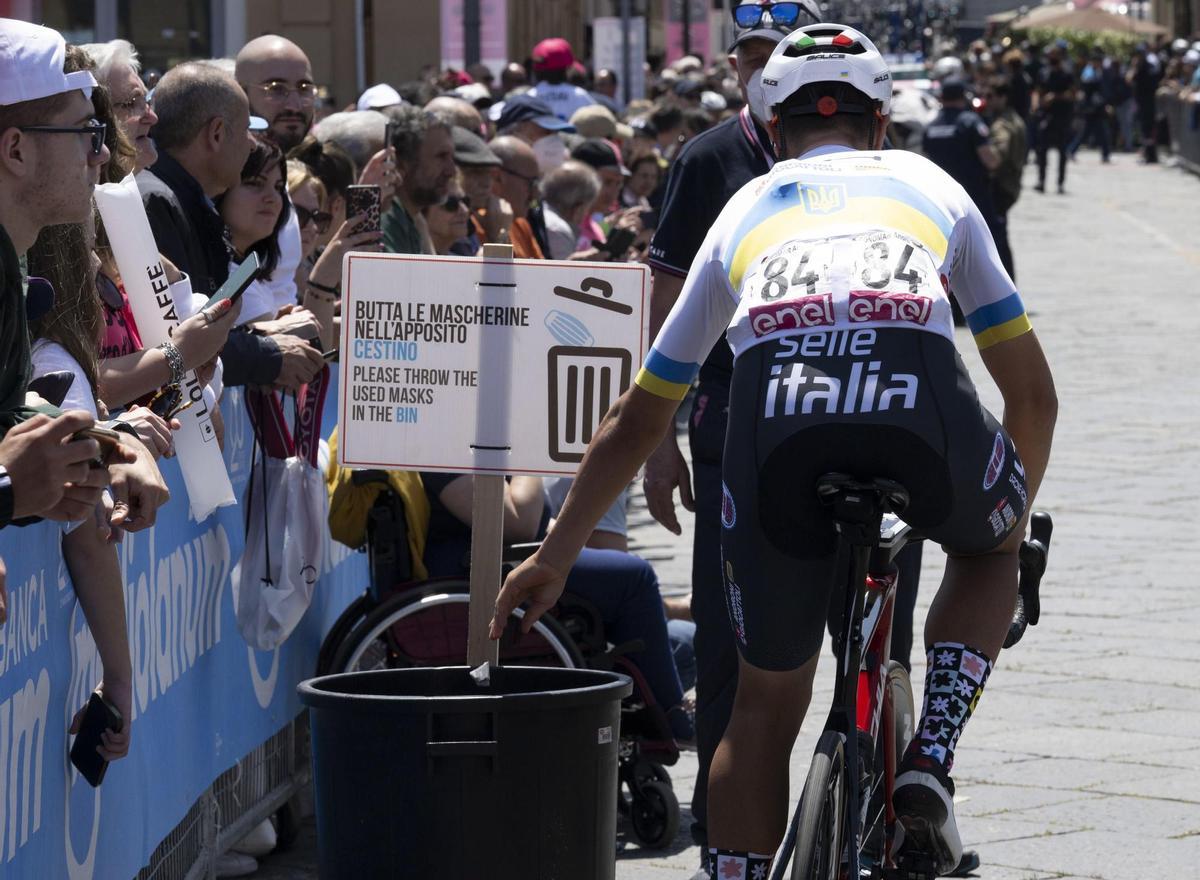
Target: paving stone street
x=1083 y=759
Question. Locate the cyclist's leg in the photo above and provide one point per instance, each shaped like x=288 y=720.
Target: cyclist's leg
x=748 y=781
x=776 y=602
x=969 y=616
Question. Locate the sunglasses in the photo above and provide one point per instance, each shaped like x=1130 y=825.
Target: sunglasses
x=168 y=402
x=96 y=129
x=748 y=15
x=321 y=219
x=452 y=202
x=110 y=294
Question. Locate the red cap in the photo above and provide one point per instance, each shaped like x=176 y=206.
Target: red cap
x=553 y=54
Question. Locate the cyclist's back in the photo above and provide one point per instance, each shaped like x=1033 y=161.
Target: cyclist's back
x=831 y=275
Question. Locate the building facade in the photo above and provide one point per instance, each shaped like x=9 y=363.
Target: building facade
x=356 y=43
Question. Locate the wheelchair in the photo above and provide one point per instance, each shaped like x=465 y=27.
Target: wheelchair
x=399 y=622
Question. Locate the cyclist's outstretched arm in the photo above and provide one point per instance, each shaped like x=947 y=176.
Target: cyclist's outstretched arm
x=1019 y=369
x=632 y=429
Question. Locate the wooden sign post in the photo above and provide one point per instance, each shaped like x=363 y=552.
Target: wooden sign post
x=487 y=538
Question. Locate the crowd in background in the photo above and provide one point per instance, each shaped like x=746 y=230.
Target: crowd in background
x=250 y=155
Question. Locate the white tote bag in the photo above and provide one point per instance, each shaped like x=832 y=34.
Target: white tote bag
x=286 y=509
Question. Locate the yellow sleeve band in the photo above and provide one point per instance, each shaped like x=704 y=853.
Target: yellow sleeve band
x=647 y=381
x=1004 y=332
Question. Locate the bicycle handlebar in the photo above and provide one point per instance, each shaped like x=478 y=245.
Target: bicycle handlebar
x=1035 y=551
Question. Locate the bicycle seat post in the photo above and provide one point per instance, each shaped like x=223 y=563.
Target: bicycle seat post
x=857 y=508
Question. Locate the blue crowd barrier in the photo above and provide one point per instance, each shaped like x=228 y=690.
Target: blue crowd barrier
x=203 y=699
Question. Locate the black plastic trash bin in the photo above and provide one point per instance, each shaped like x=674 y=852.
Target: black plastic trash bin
x=423 y=773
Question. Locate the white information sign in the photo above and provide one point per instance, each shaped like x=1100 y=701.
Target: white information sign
x=481 y=365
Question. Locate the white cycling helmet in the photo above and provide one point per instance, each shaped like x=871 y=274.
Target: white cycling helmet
x=826 y=53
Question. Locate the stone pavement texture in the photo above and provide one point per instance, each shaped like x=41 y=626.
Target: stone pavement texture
x=1083 y=760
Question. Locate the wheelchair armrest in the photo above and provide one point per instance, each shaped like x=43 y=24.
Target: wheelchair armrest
x=517 y=553
x=363 y=478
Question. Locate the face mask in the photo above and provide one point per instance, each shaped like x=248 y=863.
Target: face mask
x=756 y=98
x=550 y=152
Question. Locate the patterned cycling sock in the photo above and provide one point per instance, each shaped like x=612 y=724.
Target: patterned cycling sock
x=954 y=680
x=728 y=864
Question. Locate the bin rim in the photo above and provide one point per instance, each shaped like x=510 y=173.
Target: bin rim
x=314 y=693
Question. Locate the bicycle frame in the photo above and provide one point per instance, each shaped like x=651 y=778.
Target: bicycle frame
x=863 y=648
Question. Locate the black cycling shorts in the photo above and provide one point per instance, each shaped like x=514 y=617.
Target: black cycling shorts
x=890 y=403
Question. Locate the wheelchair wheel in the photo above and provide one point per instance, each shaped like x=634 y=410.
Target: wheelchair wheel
x=822 y=818
x=654 y=812
x=427 y=626
x=354 y=613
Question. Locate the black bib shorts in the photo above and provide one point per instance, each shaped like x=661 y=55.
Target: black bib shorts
x=889 y=403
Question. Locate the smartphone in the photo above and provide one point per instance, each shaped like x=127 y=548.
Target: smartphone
x=53 y=387
x=618 y=242
x=239 y=279
x=99 y=716
x=363 y=200
x=106 y=437
x=330 y=355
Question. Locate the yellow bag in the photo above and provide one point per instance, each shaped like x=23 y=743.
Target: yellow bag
x=349 y=506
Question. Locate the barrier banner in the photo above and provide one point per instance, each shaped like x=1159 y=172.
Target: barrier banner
x=202 y=698
x=145 y=281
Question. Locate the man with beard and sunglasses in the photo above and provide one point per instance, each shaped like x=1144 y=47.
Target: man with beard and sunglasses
x=733 y=152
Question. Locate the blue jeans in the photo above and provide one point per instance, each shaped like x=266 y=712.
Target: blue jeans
x=682 y=634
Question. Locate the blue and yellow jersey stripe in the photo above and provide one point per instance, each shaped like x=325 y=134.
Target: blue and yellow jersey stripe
x=824 y=202
x=664 y=377
x=999 y=321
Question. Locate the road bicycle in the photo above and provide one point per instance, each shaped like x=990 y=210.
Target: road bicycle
x=844 y=826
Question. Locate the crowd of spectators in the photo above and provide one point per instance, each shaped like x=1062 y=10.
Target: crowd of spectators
x=243 y=156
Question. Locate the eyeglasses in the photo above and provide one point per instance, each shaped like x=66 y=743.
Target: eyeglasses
x=135 y=106
x=96 y=129
x=279 y=91
x=532 y=181
x=452 y=203
x=321 y=219
x=748 y=15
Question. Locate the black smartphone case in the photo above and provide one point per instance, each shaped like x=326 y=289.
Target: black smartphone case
x=97 y=718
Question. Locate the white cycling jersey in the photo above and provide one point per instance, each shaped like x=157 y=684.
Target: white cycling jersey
x=837 y=239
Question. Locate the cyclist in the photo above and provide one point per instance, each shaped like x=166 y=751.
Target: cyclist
x=831 y=276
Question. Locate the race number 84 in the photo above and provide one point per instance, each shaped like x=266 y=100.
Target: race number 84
x=875 y=267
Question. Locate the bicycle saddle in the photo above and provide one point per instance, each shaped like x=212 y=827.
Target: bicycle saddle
x=857 y=506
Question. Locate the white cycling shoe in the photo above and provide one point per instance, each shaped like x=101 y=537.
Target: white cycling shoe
x=924 y=803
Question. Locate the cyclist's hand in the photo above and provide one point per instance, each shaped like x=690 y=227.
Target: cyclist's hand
x=534 y=581
x=666 y=468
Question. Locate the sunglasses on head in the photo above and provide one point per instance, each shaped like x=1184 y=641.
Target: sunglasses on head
x=321 y=219
x=96 y=129
x=748 y=15
x=452 y=203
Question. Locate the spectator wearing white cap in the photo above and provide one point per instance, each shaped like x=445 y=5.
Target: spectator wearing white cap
x=51 y=151
x=118 y=70
x=379 y=97
x=50 y=160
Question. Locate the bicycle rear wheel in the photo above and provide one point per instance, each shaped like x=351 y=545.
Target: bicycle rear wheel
x=897 y=729
x=427 y=626
x=822 y=817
